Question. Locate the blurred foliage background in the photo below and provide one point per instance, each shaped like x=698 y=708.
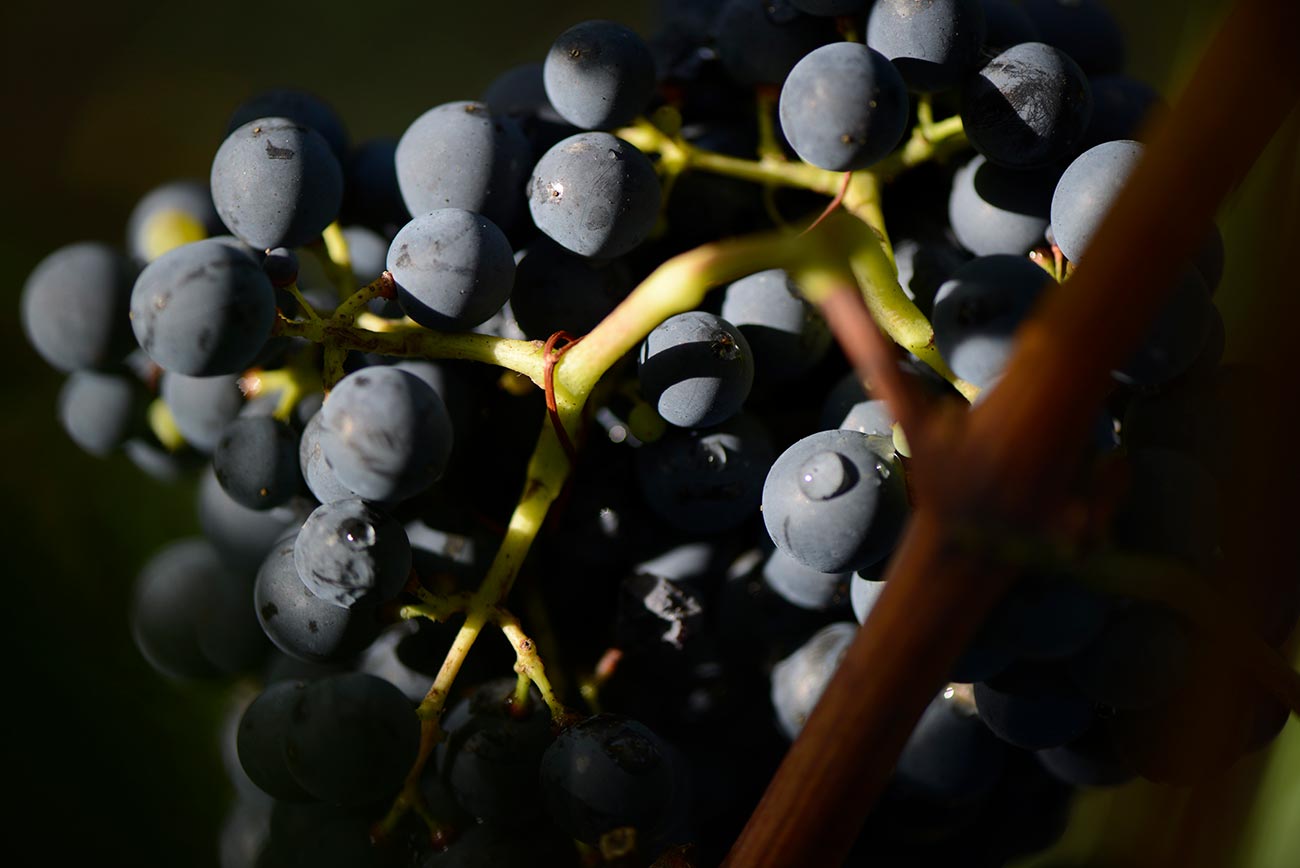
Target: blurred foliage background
x=105 y=101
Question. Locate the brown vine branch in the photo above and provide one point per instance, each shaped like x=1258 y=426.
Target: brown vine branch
x=1008 y=458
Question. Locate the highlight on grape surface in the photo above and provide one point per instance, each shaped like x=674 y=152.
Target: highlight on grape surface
x=539 y=492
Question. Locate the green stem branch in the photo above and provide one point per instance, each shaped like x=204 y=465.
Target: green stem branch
x=678 y=285
x=890 y=307
x=522 y=357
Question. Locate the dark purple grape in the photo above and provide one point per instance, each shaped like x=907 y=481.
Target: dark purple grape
x=843 y=107
x=696 y=369
x=606 y=773
x=276 y=183
x=75 y=307
x=599 y=74
x=1028 y=107
x=351 y=739
x=349 y=554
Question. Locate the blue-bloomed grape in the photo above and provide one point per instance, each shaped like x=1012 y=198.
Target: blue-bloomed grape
x=1086 y=191
x=453 y=269
x=870 y=417
x=321 y=836
x=1088 y=761
x=843 y=107
x=977 y=311
x=786 y=333
x=1033 y=708
x=300 y=623
x=351 y=555
x=256 y=462
x=609 y=772
x=802 y=586
x=169 y=216
x=385 y=433
x=1171 y=508
x=520 y=92
x=100 y=411
x=299 y=106
x=863 y=594
x=190 y=615
x=202 y=407
x=985 y=657
x=74 y=307
x=1196 y=418
x=846 y=392
x=599 y=74
x=924 y=264
x=493 y=752
x=368 y=251
x=556 y=290
x=997 y=210
x=1083 y=29
x=934 y=45
x=1028 y=107
x=950 y=756
x=203 y=309
x=1048 y=618
x=281 y=266
x=316 y=471
x=1142 y=657
x=276 y=183
x=458 y=155
x=760 y=41
x=706 y=481
x=1005 y=25
x=696 y=369
x=260 y=741
x=799 y=680
x=392 y=656
x=351 y=739
x=697 y=562
x=371 y=194
x=832 y=501
x=1121 y=109
x=242 y=536
x=1174 y=341
x=594 y=194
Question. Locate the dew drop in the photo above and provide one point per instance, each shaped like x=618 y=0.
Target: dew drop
x=826 y=475
x=357 y=533
x=714 y=455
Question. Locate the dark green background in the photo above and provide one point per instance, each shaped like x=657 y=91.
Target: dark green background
x=101 y=104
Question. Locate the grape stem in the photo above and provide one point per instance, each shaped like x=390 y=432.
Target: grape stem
x=895 y=313
x=677 y=286
x=529 y=664
x=294 y=291
x=344 y=331
x=937 y=141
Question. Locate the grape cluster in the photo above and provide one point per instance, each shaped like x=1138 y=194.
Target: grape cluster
x=711 y=506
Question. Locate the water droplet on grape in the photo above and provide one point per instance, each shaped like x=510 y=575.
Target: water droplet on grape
x=357 y=534
x=826 y=475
